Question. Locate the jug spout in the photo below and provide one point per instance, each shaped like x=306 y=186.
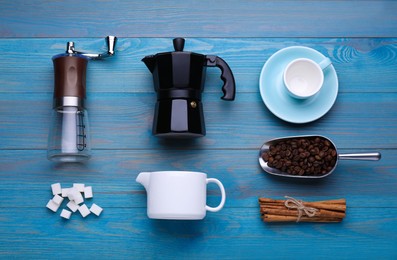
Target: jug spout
x=150 y=62
x=144 y=178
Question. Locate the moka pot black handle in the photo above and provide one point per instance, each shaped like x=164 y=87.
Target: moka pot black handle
x=229 y=84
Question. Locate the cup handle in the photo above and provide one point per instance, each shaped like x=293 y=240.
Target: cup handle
x=220 y=185
x=325 y=63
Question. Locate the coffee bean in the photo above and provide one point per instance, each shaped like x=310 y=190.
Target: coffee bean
x=305 y=156
x=265 y=157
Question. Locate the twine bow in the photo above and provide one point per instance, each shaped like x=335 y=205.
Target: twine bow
x=292 y=203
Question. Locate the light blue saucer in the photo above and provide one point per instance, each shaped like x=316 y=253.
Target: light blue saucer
x=283 y=105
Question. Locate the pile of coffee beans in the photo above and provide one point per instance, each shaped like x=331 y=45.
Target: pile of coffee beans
x=304 y=156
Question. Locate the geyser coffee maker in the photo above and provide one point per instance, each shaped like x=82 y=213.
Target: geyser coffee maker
x=178 y=79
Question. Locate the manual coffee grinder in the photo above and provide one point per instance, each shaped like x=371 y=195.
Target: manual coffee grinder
x=69 y=137
x=178 y=79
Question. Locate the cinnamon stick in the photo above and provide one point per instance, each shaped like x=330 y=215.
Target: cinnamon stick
x=273 y=210
x=294 y=212
x=318 y=204
x=337 y=201
x=278 y=218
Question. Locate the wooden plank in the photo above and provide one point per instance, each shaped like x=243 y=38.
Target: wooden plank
x=26 y=176
x=124 y=121
x=208 y=19
x=123 y=233
x=360 y=37
x=363 y=65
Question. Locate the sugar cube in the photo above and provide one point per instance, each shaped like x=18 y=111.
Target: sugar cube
x=84 y=211
x=72 y=206
x=71 y=193
x=75 y=195
x=79 y=186
x=52 y=205
x=96 y=209
x=65 y=192
x=57 y=199
x=56 y=188
x=88 y=192
x=66 y=214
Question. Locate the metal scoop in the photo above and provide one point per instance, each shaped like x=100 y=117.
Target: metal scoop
x=353 y=156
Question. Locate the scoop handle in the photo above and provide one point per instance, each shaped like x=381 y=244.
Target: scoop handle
x=360 y=156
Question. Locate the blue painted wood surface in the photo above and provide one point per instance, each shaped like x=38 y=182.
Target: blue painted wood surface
x=205 y=18
x=360 y=37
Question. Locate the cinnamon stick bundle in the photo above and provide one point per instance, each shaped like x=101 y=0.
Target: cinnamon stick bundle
x=292 y=210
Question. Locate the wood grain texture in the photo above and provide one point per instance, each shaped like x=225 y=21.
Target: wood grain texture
x=112 y=174
x=127 y=233
x=359 y=36
x=204 y=18
x=363 y=65
x=124 y=121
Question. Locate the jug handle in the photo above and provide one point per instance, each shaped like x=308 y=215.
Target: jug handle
x=229 y=85
x=223 y=193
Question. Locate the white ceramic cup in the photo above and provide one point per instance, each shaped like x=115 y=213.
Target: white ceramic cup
x=303 y=78
x=178 y=194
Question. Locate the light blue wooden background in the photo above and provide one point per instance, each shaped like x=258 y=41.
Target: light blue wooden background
x=360 y=37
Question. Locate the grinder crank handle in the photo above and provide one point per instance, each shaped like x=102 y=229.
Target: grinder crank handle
x=229 y=85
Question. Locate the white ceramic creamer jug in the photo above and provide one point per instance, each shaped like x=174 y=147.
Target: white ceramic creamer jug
x=178 y=194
